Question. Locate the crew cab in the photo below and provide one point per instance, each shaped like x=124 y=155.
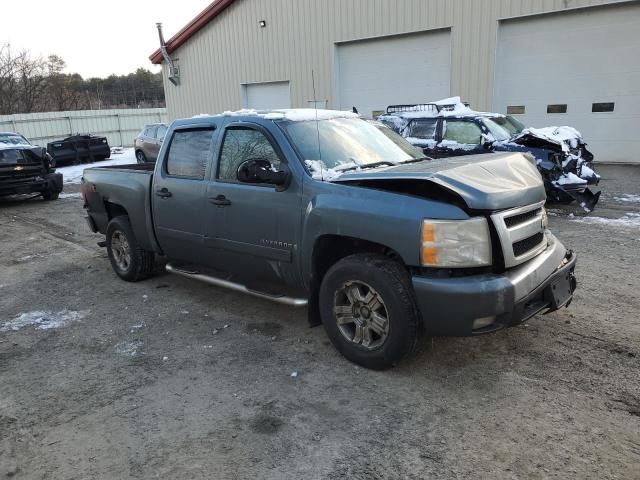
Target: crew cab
x=26 y=168
x=322 y=209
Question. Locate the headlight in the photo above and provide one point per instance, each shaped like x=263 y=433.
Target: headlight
x=456 y=243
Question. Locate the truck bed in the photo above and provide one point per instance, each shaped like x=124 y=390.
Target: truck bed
x=118 y=187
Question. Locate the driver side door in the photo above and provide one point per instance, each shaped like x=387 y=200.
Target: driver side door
x=460 y=137
x=255 y=227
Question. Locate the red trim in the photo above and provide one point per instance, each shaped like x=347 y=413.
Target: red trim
x=193 y=27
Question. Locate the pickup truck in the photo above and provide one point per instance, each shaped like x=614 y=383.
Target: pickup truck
x=26 y=168
x=326 y=210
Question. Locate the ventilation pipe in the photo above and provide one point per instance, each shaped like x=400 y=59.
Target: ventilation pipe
x=174 y=70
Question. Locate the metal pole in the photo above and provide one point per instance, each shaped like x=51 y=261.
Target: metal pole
x=120 y=129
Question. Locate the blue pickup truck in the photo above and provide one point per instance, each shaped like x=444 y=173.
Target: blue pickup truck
x=324 y=210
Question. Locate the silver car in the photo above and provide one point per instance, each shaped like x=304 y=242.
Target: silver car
x=148 y=142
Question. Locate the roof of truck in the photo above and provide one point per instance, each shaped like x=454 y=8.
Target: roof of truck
x=292 y=114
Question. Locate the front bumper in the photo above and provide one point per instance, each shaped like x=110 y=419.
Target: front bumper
x=50 y=182
x=449 y=306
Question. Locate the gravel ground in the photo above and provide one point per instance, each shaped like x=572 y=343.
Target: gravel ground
x=170 y=378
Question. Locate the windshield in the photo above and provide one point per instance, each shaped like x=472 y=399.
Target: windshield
x=13 y=139
x=499 y=132
x=349 y=143
x=510 y=124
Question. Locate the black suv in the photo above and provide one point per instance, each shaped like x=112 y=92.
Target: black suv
x=27 y=168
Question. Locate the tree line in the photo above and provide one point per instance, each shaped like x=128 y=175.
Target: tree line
x=35 y=84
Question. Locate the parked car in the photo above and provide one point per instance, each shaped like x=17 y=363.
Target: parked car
x=27 y=168
x=343 y=216
x=148 y=142
x=450 y=128
x=77 y=149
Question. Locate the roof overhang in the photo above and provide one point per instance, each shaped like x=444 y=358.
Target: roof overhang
x=193 y=27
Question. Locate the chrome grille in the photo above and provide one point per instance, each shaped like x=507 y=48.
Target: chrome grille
x=521 y=233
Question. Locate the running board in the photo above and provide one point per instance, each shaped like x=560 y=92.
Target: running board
x=219 y=282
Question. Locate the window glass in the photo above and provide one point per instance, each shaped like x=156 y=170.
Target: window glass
x=161 y=132
x=515 y=109
x=557 y=108
x=423 y=128
x=462 y=132
x=189 y=152
x=240 y=145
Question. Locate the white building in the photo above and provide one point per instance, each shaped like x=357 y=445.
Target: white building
x=549 y=62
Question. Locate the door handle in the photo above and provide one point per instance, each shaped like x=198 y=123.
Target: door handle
x=220 y=200
x=163 y=192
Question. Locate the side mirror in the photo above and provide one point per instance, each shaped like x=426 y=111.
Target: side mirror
x=260 y=170
x=487 y=141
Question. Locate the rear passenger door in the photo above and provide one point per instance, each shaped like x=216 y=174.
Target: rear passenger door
x=460 y=137
x=178 y=192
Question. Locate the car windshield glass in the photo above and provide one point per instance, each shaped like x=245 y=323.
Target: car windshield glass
x=510 y=124
x=13 y=139
x=345 y=142
x=499 y=132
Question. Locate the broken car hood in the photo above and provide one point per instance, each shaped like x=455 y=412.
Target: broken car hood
x=508 y=180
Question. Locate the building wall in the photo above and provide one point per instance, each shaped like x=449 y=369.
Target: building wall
x=120 y=126
x=301 y=36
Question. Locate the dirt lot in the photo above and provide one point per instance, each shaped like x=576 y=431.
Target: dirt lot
x=170 y=378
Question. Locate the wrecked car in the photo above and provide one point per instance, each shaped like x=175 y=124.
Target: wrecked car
x=321 y=209
x=450 y=128
x=26 y=168
x=80 y=148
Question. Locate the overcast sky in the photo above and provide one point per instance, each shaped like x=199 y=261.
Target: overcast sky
x=95 y=38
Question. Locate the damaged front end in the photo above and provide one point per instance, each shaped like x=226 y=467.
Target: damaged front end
x=564 y=163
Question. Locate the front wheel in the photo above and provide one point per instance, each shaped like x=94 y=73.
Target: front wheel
x=140 y=156
x=368 y=309
x=50 y=195
x=130 y=261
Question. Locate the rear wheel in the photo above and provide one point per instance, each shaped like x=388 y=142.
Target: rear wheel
x=140 y=156
x=368 y=310
x=130 y=261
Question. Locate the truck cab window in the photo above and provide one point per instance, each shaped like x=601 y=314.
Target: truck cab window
x=240 y=145
x=189 y=152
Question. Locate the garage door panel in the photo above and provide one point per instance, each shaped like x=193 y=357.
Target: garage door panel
x=372 y=74
x=575 y=58
x=266 y=96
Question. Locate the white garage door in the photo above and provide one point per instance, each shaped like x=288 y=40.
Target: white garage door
x=266 y=96
x=393 y=70
x=588 y=61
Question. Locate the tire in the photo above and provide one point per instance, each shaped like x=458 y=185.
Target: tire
x=49 y=195
x=381 y=326
x=128 y=259
x=140 y=156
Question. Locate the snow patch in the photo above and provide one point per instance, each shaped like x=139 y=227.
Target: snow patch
x=629 y=220
x=293 y=114
x=570 y=179
x=70 y=195
x=129 y=348
x=73 y=173
x=628 y=197
x=43 y=320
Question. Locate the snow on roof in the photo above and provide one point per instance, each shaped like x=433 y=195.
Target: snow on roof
x=457 y=108
x=292 y=114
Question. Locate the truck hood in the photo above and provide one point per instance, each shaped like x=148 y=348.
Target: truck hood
x=507 y=180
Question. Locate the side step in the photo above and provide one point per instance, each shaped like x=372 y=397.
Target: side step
x=219 y=282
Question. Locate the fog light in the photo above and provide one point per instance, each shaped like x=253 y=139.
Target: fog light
x=483 y=322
